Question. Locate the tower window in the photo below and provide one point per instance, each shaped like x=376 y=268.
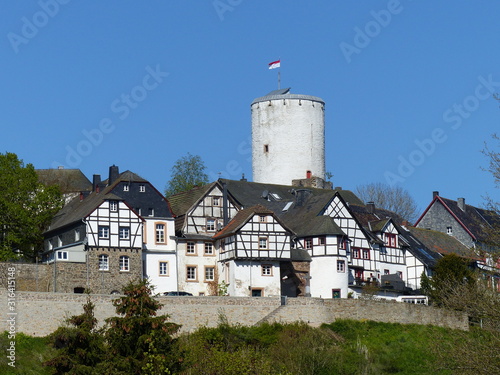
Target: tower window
x=266 y=148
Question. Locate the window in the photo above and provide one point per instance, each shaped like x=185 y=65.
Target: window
x=257 y=293
x=342 y=243
x=321 y=240
x=262 y=242
x=126 y=187
x=356 y=254
x=163 y=268
x=267 y=270
x=366 y=253
x=103 y=231
x=209 y=273
x=262 y=218
x=124 y=263
x=308 y=243
x=62 y=255
x=151 y=211
x=340 y=265
x=209 y=248
x=190 y=248
x=266 y=148
x=124 y=233
x=77 y=234
x=215 y=201
x=210 y=225
x=160 y=233
x=336 y=293
x=400 y=274
x=191 y=273
x=113 y=206
x=138 y=210
x=449 y=230
x=386 y=272
x=390 y=239
x=103 y=262
x=142 y=188
x=358 y=274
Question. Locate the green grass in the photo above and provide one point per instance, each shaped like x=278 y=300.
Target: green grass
x=342 y=347
x=31 y=352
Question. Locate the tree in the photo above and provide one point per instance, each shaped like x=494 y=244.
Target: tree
x=139 y=341
x=187 y=173
x=395 y=199
x=27 y=207
x=449 y=272
x=81 y=344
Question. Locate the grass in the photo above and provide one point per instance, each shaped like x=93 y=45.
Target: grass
x=342 y=347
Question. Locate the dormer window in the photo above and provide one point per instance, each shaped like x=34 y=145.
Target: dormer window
x=142 y=188
x=126 y=187
x=449 y=230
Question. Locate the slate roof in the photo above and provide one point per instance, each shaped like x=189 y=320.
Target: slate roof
x=474 y=218
x=181 y=203
x=441 y=243
x=241 y=218
x=77 y=209
x=68 y=180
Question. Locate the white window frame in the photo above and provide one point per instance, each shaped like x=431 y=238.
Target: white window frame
x=62 y=255
x=160 y=232
x=341 y=266
x=209 y=276
x=263 y=245
x=267 y=270
x=194 y=270
x=216 y=201
x=103 y=262
x=191 y=248
x=113 y=206
x=142 y=188
x=103 y=231
x=211 y=224
x=209 y=248
x=124 y=233
x=124 y=263
x=163 y=268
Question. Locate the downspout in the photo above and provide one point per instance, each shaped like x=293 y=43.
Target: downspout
x=225 y=213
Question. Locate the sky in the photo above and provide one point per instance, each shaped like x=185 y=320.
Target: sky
x=408 y=86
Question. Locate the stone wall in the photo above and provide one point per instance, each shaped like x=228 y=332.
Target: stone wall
x=39 y=314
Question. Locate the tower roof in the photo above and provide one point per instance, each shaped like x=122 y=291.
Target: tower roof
x=285 y=94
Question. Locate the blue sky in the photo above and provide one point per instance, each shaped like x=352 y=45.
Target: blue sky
x=407 y=85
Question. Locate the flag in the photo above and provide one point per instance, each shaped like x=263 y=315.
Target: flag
x=274 y=64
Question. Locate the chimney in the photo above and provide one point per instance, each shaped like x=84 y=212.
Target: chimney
x=461 y=203
x=370 y=207
x=96 y=180
x=113 y=174
x=243 y=178
x=338 y=187
x=81 y=196
x=435 y=194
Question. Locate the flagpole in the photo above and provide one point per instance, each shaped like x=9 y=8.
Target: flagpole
x=279 y=79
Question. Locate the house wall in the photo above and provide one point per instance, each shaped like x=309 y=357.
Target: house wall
x=200 y=260
x=247 y=275
x=325 y=277
x=438 y=218
x=39 y=314
x=161 y=283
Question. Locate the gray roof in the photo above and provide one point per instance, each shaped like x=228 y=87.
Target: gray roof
x=68 y=180
x=281 y=94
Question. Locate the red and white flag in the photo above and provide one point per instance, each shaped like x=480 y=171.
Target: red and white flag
x=274 y=64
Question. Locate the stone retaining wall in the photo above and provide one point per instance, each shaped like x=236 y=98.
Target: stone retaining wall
x=39 y=314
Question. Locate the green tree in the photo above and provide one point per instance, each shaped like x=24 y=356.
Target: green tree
x=395 y=199
x=187 y=173
x=139 y=342
x=450 y=272
x=26 y=207
x=81 y=344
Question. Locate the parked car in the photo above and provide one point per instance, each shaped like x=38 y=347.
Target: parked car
x=177 y=293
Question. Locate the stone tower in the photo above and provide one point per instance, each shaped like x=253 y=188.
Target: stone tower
x=288 y=137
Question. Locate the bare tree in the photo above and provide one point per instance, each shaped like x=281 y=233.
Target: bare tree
x=395 y=199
